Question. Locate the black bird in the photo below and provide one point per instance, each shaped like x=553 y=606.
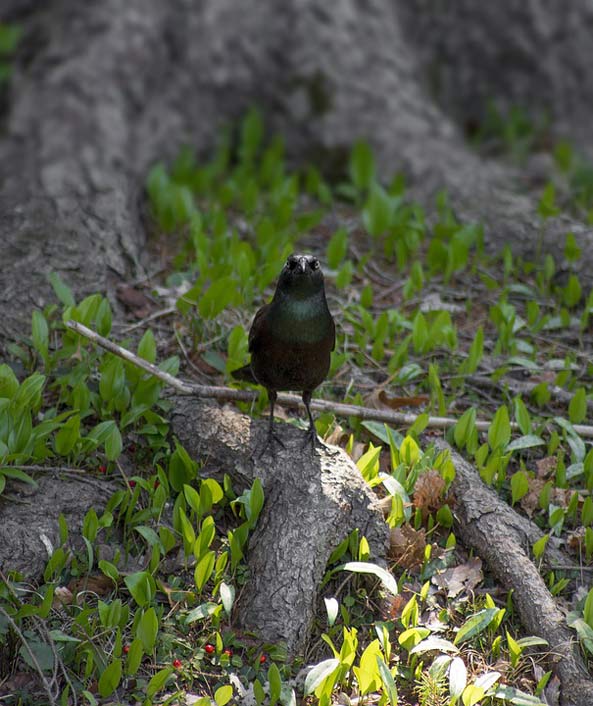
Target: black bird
x=292 y=337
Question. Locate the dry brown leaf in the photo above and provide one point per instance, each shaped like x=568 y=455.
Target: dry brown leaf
x=464 y=577
x=379 y=399
x=546 y=466
x=135 y=300
x=530 y=501
x=99 y=583
x=576 y=540
x=406 y=546
x=429 y=492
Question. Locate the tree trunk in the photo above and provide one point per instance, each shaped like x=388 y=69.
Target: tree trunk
x=101 y=90
x=312 y=502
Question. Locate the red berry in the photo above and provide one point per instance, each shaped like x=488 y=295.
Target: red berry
x=262 y=659
x=102 y=469
x=209 y=648
x=177 y=663
x=132 y=484
x=126 y=649
x=228 y=652
x=132 y=448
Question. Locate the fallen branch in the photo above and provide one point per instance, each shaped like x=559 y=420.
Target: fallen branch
x=502 y=538
x=230 y=394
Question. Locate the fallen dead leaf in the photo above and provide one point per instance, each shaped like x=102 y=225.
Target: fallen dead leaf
x=379 y=399
x=429 y=492
x=530 y=501
x=464 y=577
x=406 y=546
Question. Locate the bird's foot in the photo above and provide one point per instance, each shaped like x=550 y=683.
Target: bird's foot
x=312 y=438
x=271 y=439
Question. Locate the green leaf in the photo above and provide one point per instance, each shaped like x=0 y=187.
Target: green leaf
x=109 y=680
x=28 y=395
x=377 y=211
x=113 y=443
x=135 y=655
x=275 y=683
x=142 y=587
x=158 y=681
x=256 y=502
x=40 y=333
x=499 y=432
x=204 y=569
x=475 y=624
x=63 y=292
x=464 y=427
x=223 y=695
x=577 y=409
x=337 y=248
x=319 y=673
x=519 y=486
x=147 y=347
x=147 y=630
x=525 y=442
x=68 y=435
x=457 y=677
x=362 y=166
x=433 y=643
x=389 y=687
x=522 y=416
x=364 y=567
x=227 y=596
x=332 y=607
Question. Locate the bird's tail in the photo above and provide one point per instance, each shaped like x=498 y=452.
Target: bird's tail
x=245 y=373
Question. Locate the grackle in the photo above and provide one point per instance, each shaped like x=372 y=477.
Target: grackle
x=291 y=338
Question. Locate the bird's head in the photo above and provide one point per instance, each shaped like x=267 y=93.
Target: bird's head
x=301 y=276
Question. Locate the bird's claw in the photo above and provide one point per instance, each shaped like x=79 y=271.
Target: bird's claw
x=312 y=438
x=271 y=439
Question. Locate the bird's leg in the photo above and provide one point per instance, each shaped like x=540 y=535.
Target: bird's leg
x=311 y=432
x=272 y=436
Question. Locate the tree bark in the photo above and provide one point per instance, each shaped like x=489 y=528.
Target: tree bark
x=312 y=502
x=102 y=90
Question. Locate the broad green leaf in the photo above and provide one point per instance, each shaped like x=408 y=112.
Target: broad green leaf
x=499 y=432
x=457 y=677
x=227 y=596
x=525 y=442
x=522 y=416
x=519 y=486
x=63 y=292
x=141 y=586
x=362 y=166
x=332 y=607
x=475 y=624
x=433 y=643
x=274 y=682
x=147 y=347
x=319 y=673
x=577 y=409
x=40 y=333
x=223 y=695
x=110 y=679
x=147 y=630
x=364 y=567
x=158 y=681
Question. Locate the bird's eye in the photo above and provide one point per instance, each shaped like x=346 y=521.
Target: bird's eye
x=291 y=263
x=315 y=264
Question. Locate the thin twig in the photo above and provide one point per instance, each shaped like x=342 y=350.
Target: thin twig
x=31 y=654
x=218 y=392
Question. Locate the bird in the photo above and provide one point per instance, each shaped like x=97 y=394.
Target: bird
x=291 y=339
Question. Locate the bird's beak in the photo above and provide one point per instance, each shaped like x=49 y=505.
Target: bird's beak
x=303 y=264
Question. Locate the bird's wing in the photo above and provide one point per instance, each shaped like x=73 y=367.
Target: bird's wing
x=257 y=328
x=333 y=334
